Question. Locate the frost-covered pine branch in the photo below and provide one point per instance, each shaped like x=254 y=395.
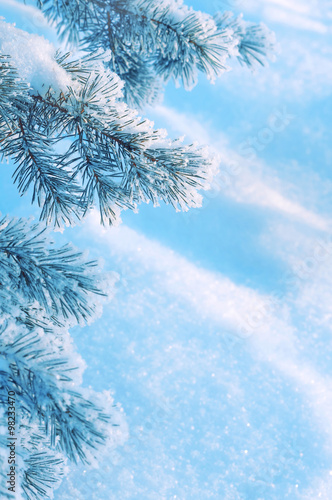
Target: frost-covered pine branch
x=254 y=42
x=43 y=290
x=114 y=157
x=58 y=279
x=147 y=42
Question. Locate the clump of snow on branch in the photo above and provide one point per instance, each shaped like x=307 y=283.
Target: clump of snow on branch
x=33 y=57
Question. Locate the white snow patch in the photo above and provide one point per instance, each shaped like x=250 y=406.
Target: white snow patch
x=243 y=180
x=234 y=308
x=33 y=57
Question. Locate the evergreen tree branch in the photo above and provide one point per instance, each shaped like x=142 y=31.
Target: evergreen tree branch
x=42 y=384
x=60 y=280
x=166 y=38
x=255 y=43
x=114 y=156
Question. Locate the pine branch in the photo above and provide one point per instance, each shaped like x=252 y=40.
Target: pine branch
x=40 y=290
x=114 y=156
x=116 y=161
x=255 y=43
x=36 y=369
x=59 y=280
x=13 y=98
x=43 y=386
x=43 y=472
x=179 y=39
x=37 y=163
x=168 y=39
x=39 y=472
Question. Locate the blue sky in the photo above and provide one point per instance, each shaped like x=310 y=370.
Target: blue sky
x=218 y=342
